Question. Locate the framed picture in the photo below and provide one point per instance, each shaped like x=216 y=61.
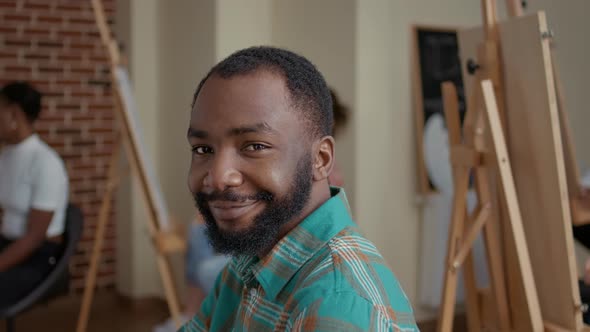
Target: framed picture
x=435 y=59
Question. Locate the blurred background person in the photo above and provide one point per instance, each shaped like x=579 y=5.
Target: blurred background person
x=33 y=196
x=340 y=121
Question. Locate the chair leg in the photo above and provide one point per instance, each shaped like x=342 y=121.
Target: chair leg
x=10 y=324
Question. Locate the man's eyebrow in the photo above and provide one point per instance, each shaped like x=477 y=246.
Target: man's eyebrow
x=255 y=128
x=195 y=133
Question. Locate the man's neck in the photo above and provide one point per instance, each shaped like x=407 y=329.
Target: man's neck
x=317 y=198
x=22 y=135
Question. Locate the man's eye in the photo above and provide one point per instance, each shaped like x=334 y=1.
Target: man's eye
x=255 y=147
x=200 y=149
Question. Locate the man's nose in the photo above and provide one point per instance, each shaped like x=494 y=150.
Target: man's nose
x=223 y=173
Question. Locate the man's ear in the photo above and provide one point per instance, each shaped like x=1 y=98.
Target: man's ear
x=323 y=161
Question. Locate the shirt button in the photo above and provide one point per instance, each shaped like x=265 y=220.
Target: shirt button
x=253 y=292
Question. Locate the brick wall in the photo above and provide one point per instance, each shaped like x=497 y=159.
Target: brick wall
x=55 y=45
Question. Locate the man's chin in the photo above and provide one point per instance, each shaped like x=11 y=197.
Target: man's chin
x=231 y=229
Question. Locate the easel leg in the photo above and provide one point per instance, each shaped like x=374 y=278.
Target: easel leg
x=445 y=320
x=164 y=267
x=507 y=184
x=169 y=289
x=472 y=302
x=494 y=258
x=103 y=219
x=451 y=110
x=498 y=284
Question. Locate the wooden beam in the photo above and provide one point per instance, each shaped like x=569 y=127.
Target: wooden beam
x=482 y=215
x=514 y=8
x=507 y=185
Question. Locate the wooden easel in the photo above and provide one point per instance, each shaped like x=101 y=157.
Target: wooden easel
x=166 y=241
x=483 y=151
x=474 y=157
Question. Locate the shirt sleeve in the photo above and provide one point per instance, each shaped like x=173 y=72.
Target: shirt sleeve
x=50 y=184
x=347 y=311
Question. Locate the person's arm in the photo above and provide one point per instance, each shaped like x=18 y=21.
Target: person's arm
x=21 y=249
x=347 y=311
x=48 y=191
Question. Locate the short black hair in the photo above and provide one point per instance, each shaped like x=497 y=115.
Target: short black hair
x=307 y=87
x=25 y=96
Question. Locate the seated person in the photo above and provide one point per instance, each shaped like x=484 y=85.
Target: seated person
x=33 y=196
x=202 y=266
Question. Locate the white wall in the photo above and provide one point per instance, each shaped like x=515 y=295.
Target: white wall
x=187 y=51
x=136 y=246
x=241 y=24
x=332 y=48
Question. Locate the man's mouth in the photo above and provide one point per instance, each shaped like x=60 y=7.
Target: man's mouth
x=231 y=210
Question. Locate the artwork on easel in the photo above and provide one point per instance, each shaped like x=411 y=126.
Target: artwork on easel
x=146 y=161
x=435 y=60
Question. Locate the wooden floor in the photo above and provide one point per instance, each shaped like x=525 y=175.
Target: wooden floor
x=110 y=312
x=113 y=313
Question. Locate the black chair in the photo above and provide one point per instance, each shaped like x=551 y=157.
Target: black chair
x=57 y=281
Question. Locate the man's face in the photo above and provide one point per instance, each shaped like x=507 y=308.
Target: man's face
x=251 y=165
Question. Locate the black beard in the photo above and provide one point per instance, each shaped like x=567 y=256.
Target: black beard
x=262 y=235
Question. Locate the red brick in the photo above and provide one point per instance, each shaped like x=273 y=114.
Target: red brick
x=68 y=107
x=50 y=19
x=16 y=18
x=70 y=6
x=93 y=34
x=82 y=20
x=68 y=82
x=29 y=5
x=99 y=58
x=49 y=43
x=37 y=56
x=18 y=69
x=37 y=32
x=84 y=143
x=8 y=4
x=69 y=33
x=50 y=69
x=85 y=118
x=69 y=58
x=8 y=30
x=17 y=42
x=82 y=70
x=7 y=54
x=83 y=94
x=82 y=45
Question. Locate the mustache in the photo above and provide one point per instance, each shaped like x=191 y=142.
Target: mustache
x=232 y=196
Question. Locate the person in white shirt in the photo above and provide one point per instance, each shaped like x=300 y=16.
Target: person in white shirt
x=33 y=196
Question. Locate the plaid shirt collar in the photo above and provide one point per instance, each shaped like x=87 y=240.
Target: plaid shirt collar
x=297 y=247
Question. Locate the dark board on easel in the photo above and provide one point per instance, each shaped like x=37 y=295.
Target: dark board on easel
x=435 y=60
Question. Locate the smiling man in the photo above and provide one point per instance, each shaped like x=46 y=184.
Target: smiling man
x=262 y=151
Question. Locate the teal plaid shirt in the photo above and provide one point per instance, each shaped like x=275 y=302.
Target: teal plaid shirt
x=322 y=276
